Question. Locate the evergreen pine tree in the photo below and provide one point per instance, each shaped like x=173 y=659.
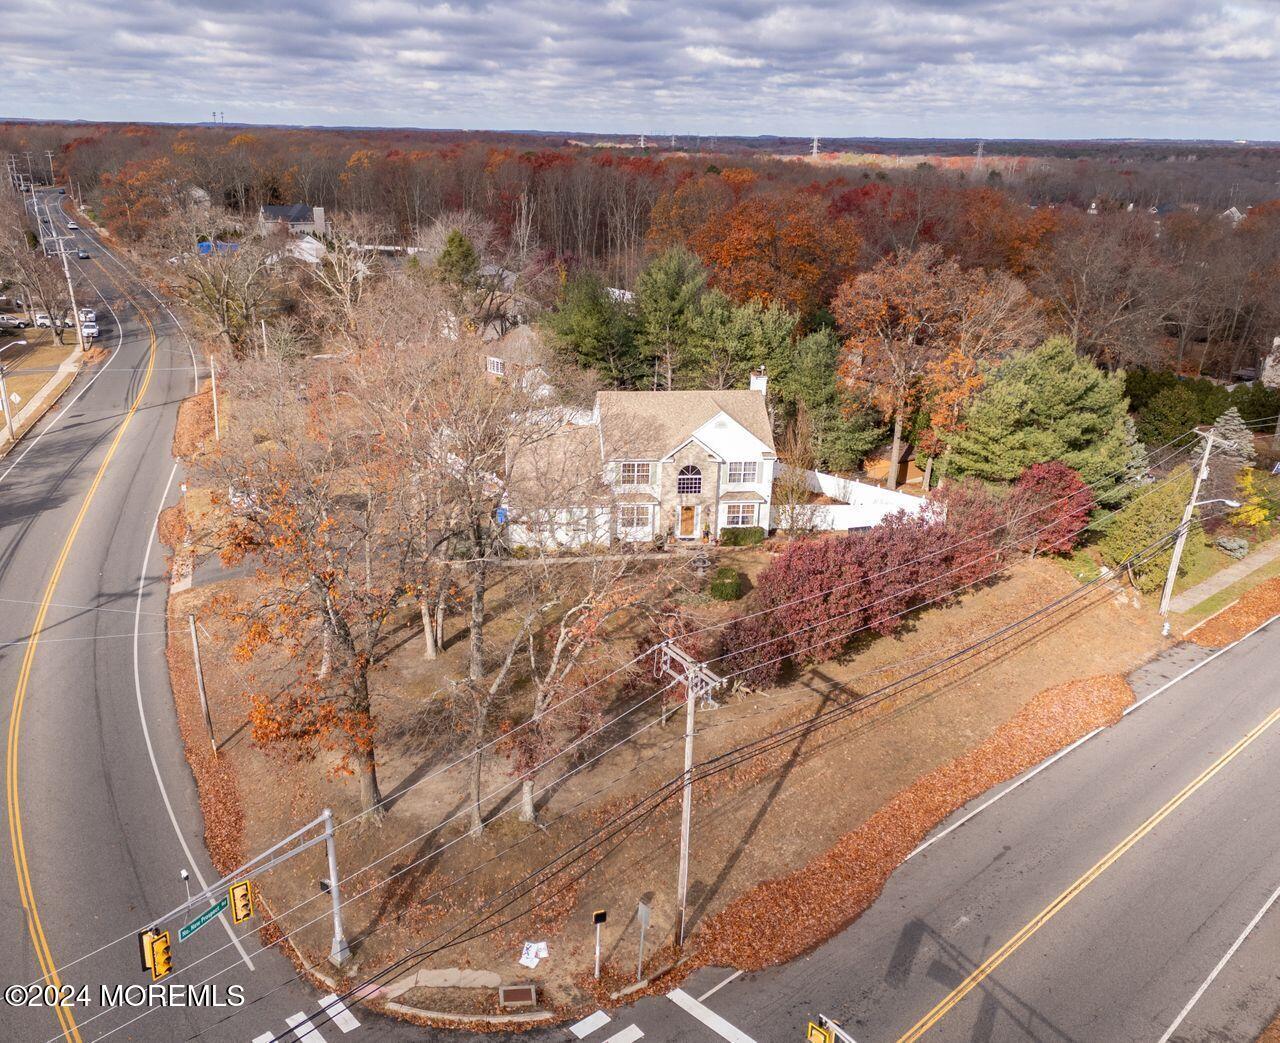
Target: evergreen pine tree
x=1047 y=404
x=597 y=332
x=1233 y=434
x=666 y=305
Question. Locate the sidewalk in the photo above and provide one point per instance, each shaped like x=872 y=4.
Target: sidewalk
x=36 y=406
x=1191 y=597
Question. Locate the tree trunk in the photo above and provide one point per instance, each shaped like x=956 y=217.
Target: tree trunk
x=478 y=579
x=477 y=822
x=326 y=652
x=428 y=629
x=528 y=813
x=928 y=472
x=370 y=794
x=896 y=450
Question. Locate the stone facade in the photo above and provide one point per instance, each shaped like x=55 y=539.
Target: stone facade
x=705 y=503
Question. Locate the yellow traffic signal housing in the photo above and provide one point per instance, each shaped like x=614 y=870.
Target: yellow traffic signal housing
x=241 y=901
x=161 y=956
x=145 y=938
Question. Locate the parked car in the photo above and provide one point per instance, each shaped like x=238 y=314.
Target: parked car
x=43 y=321
x=89 y=330
x=13 y=322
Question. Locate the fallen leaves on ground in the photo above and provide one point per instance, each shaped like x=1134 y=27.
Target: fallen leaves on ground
x=1253 y=609
x=195 y=425
x=783 y=918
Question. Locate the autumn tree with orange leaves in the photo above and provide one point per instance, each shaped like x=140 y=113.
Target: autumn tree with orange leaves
x=778 y=249
x=324 y=511
x=918 y=329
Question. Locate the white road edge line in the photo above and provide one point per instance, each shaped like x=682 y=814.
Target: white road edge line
x=1221 y=963
x=67 y=408
x=716 y=988
x=708 y=1017
x=146 y=731
x=1029 y=775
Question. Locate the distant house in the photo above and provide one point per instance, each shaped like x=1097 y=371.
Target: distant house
x=1234 y=214
x=519 y=355
x=296 y=219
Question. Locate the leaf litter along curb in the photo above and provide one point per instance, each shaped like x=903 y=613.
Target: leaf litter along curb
x=790 y=915
x=1253 y=609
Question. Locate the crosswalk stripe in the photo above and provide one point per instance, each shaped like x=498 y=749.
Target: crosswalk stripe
x=628 y=1035
x=588 y=1025
x=307 y=1032
x=266 y=1037
x=708 y=1017
x=337 y=1010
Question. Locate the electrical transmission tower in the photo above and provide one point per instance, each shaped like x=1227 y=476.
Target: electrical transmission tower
x=813 y=151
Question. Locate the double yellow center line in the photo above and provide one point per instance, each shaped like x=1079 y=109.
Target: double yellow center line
x=48 y=968
x=1110 y=858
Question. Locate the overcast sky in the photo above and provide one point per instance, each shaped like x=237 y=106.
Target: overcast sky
x=902 y=68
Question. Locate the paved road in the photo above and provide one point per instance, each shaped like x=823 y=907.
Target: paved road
x=1118 y=919
x=98 y=830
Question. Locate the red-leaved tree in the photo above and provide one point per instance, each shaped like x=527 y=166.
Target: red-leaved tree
x=811 y=600
x=1050 y=506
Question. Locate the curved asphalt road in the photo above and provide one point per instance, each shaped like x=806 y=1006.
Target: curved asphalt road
x=1090 y=903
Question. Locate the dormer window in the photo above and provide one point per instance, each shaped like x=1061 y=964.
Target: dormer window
x=689 y=480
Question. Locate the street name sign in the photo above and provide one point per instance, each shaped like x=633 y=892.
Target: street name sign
x=188 y=930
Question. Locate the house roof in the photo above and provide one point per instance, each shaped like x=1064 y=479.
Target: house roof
x=294 y=213
x=647 y=425
x=521 y=346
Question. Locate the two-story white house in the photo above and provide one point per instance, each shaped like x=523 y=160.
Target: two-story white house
x=687 y=463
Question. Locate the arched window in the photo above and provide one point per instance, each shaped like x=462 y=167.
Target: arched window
x=689 y=480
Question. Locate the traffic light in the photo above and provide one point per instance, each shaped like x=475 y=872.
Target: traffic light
x=241 y=901
x=161 y=956
x=145 y=939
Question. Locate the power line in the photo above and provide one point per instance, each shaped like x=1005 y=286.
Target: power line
x=706 y=769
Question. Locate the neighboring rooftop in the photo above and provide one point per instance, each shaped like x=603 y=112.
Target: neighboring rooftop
x=294 y=213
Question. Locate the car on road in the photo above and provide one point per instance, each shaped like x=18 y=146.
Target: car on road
x=82 y=253
x=62 y=191
x=73 y=226
x=89 y=330
x=88 y=315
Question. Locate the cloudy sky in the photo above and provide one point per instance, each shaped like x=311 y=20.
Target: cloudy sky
x=905 y=68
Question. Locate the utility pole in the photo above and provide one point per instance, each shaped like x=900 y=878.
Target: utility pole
x=49 y=155
x=204 y=701
x=61 y=246
x=699 y=683
x=4 y=401
x=339 y=951
x=1201 y=472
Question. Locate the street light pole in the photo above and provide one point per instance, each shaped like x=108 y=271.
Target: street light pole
x=4 y=403
x=1181 y=542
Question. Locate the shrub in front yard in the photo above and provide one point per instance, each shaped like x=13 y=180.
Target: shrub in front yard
x=1234 y=546
x=1148 y=517
x=1052 y=506
x=826 y=590
x=747 y=536
x=726 y=585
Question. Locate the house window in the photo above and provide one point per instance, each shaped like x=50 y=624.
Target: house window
x=497 y=367
x=743 y=471
x=739 y=515
x=634 y=474
x=689 y=480
x=633 y=516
